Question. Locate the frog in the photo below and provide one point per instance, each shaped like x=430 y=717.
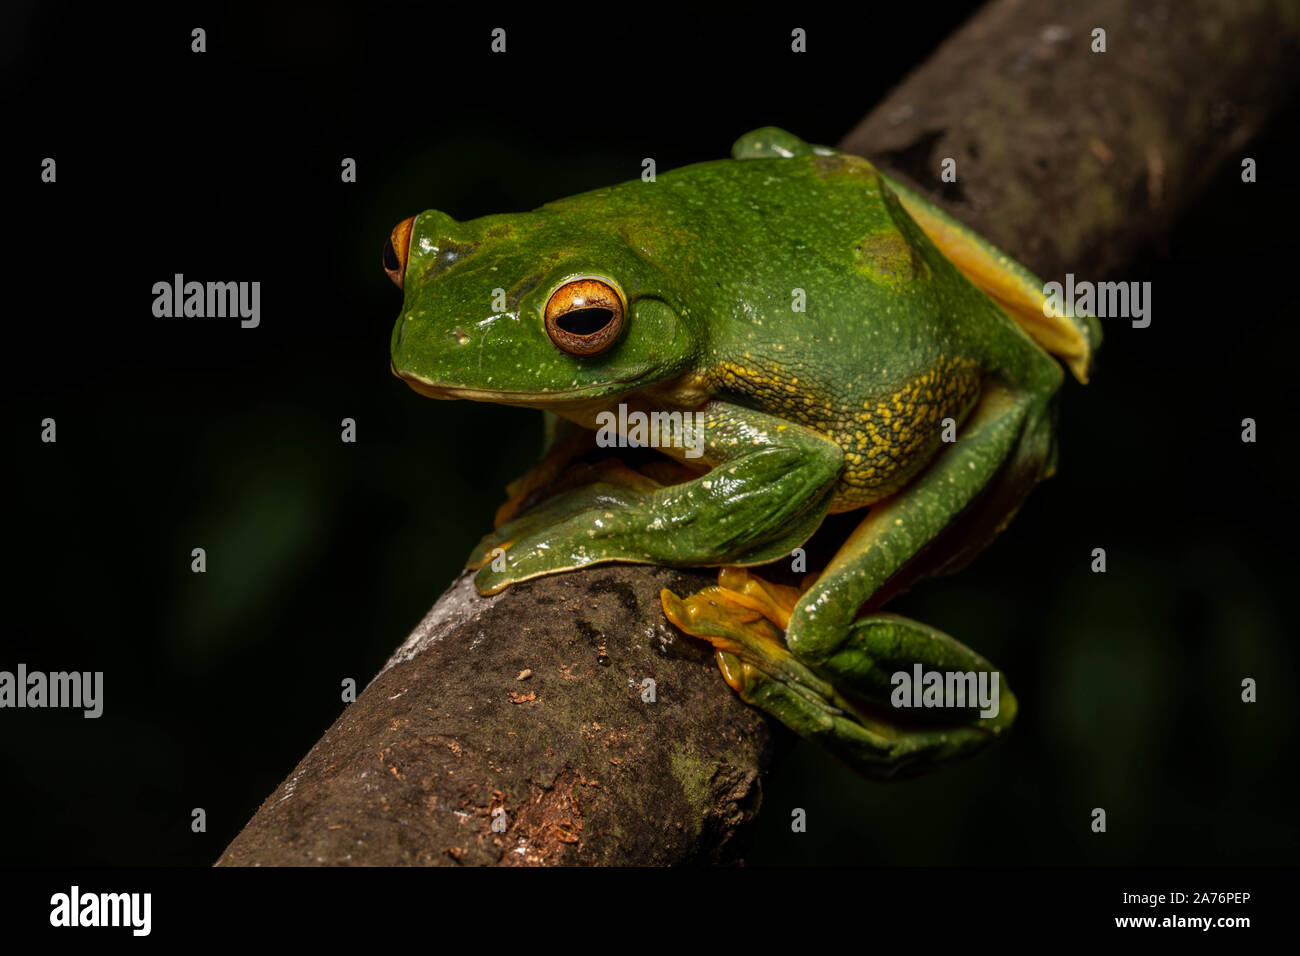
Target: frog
x=834 y=342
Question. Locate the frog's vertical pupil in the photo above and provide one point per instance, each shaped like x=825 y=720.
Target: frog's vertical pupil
x=391 y=262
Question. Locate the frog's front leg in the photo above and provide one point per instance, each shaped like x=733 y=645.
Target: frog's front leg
x=770 y=486
x=583 y=487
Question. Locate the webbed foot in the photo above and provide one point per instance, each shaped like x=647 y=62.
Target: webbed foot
x=851 y=702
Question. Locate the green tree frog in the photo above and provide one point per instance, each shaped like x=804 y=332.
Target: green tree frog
x=842 y=343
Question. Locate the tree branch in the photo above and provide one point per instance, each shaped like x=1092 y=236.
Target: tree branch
x=1068 y=159
x=584 y=768
x=1072 y=160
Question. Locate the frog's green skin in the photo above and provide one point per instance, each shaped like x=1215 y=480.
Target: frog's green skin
x=806 y=412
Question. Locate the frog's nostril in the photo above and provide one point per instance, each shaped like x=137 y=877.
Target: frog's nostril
x=395 y=249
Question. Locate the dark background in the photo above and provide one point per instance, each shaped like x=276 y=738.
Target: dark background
x=175 y=434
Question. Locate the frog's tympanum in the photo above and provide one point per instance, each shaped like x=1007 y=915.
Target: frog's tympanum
x=842 y=345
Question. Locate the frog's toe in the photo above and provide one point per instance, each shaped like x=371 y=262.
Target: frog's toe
x=740 y=606
x=743 y=617
x=733 y=670
x=725 y=618
x=774 y=601
x=486 y=549
x=488 y=581
x=728 y=625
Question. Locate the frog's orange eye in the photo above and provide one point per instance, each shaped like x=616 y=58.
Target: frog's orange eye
x=584 y=316
x=399 y=241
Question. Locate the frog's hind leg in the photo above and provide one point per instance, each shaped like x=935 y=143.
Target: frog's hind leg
x=1003 y=449
x=869 y=726
x=1072 y=338
x=972 y=530
x=829 y=678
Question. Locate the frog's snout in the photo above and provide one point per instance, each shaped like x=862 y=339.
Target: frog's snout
x=395 y=249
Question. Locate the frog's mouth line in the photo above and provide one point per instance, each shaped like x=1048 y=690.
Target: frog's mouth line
x=452 y=392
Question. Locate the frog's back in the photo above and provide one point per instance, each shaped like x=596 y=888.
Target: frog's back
x=818 y=249
x=834 y=310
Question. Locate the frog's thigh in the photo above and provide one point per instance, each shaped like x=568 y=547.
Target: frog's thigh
x=897 y=529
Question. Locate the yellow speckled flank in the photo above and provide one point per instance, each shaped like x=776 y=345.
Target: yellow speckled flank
x=887 y=440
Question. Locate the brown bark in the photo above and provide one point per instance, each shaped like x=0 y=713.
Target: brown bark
x=584 y=767
x=1071 y=160
x=1068 y=159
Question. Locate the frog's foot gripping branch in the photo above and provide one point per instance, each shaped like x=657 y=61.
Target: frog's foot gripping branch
x=744 y=618
x=741 y=609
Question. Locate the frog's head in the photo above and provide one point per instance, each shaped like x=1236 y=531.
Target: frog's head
x=541 y=308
